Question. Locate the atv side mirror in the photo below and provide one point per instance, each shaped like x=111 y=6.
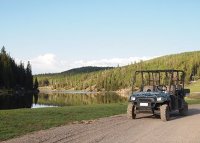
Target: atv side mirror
x=187 y=92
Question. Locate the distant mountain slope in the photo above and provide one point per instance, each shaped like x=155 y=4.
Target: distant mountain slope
x=120 y=77
x=80 y=70
x=87 y=69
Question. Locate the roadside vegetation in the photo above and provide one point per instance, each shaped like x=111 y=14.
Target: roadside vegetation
x=194 y=97
x=192 y=100
x=22 y=121
x=194 y=86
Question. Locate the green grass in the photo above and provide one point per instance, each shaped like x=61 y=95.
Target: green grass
x=194 y=87
x=192 y=101
x=18 y=122
x=194 y=98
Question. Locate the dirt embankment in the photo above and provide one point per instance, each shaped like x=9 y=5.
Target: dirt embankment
x=124 y=92
x=145 y=129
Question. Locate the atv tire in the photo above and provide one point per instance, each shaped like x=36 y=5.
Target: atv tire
x=184 y=111
x=164 y=112
x=131 y=113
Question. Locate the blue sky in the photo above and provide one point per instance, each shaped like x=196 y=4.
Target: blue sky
x=56 y=35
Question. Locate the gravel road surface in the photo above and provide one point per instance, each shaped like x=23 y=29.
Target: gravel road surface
x=119 y=129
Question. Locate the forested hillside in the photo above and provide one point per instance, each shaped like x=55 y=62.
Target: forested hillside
x=80 y=70
x=120 y=77
x=13 y=75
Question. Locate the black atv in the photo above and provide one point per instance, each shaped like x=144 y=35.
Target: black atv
x=160 y=92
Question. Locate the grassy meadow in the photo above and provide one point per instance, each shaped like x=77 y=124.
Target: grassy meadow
x=194 y=86
x=22 y=121
x=194 y=97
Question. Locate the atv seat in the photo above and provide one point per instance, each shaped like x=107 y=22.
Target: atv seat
x=148 y=88
x=171 y=90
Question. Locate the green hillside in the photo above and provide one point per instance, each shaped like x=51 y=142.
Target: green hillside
x=120 y=77
x=74 y=71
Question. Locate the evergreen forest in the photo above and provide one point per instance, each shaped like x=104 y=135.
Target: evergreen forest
x=13 y=75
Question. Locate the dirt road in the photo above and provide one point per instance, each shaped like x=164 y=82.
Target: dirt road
x=122 y=130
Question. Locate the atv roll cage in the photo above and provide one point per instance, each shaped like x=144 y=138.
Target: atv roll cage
x=165 y=80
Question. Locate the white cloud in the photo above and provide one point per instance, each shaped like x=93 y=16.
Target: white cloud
x=110 y=62
x=46 y=63
x=49 y=63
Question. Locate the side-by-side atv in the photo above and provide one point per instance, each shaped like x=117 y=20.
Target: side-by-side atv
x=160 y=92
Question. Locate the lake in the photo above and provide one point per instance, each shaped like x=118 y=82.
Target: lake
x=78 y=98
x=55 y=99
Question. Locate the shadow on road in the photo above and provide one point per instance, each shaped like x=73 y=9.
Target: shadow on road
x=191 y=112
x=173 y=116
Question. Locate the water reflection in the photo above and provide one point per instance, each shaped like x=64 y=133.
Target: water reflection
x=70 y=99
x=17 y=100
x=42 y=106
x=30 y=100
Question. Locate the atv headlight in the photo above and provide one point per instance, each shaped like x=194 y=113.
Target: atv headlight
x=159 y=98
x=132 y=98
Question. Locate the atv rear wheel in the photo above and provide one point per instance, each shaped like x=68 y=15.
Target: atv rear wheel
x=184 y=111
x=164 y=112
x=131 y=113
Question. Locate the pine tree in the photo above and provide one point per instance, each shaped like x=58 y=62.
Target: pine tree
x=29 y=77
x=36 y=84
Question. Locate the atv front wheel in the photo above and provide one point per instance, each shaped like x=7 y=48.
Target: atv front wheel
x=184 y=111
x=131 y=113
x=164 y=112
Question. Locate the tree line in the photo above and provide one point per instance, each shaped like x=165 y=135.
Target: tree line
x=120 y=77
x=13 y=75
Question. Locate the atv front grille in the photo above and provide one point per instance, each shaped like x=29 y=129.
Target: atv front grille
x=146 y=100
x=145 y=104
